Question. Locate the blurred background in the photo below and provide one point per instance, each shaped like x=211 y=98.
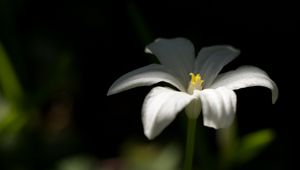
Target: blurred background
x=58 y=59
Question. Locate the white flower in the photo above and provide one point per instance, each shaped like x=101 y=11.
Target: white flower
x=197 y=80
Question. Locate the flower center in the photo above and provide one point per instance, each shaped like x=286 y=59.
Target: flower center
x=195 y=83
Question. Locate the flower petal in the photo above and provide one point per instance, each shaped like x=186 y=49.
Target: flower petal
x=211 y=60
x=218 y=106
x=160 y=108
x=144 y=76
x=246 y=76
x=177 y=54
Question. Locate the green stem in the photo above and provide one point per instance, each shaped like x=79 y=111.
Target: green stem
x=190 y=142
x=227 y=141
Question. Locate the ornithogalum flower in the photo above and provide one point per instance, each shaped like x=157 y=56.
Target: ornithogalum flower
x=197 y=84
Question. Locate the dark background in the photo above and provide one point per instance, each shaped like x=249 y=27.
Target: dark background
x=68 y=53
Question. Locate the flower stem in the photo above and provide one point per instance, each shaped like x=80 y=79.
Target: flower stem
x=228 y=141
x=190 y=142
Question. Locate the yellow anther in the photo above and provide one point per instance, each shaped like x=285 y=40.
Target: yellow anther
x=196 y=79
x=195 y=83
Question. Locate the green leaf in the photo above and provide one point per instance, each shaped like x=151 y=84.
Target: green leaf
x=8 y=79
x=76 y=163
x=253 y=144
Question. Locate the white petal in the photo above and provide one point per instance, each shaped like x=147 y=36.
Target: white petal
x=211 y=60
x=144 y=76
x=160 y=108
x=218 y=106
x=246 y=76
x=177 y=54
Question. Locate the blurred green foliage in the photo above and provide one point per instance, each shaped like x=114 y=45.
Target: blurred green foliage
x=10 y=84
x=238 y=150
x=139 y=156
x=252 y=144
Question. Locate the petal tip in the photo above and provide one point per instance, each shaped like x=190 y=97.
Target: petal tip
x=149 y=134
x=149 y=137
x=210 y=125
x=148 y=51
x=236 y=52
x=112 y=90
x=109 y=93
x=274 y=99
x=215 y=125
x=234 y=49
x=274 y=91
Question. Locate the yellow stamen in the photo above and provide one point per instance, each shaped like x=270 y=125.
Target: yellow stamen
x=195 y=83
